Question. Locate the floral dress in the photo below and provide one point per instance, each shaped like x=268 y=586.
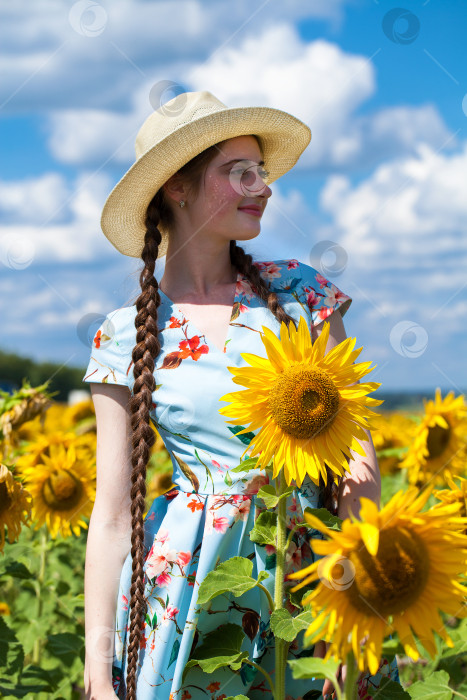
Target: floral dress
x=207 y=517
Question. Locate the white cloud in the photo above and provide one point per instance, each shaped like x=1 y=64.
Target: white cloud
x=316 y=81
x=47 y=219
x=73 y=57
x=406 y=213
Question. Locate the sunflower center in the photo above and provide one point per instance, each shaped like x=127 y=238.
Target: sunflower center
x=62 y=490
x=303 y=401
x=393 y=580
x=5 y=498
x=437 y=440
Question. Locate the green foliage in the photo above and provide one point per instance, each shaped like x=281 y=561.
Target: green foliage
x=63 y=379
x=268 y=494
x=433 y=687
x=42 y=640
x=388 y=690
x=287 y=627
x=310 y=667
x=331 y=521
x=231 y=576
x=265 y=528
x=221 y=647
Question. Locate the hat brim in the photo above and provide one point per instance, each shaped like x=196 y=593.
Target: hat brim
x=283 y=139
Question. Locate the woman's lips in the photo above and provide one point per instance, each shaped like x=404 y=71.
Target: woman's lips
x=251 y=210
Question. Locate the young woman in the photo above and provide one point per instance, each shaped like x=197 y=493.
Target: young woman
x=198 y=189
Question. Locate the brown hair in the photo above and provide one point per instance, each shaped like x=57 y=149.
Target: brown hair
x=144 y=354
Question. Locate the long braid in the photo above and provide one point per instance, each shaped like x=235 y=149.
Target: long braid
x=245 y=265
x=144 y=353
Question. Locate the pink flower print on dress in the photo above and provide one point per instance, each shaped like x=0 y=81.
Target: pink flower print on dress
x=169 y=614
x=237 y=498
x=219 y=524
x=333 y=296
x=253 y=485
x=312 y=299
x=159 y=559
x=163 y=580
x=124 y=602
x=292 y=264
x=162 y=535
x=220 y=468
x=270 y=271
x=183 y=559
x=243 y=289
x=293 y=557
x=241 y=511
x=324 y=312
x=322 y=281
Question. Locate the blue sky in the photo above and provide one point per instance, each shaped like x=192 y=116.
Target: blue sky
x=383 y=88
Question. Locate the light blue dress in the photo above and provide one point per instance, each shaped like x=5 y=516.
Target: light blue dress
x=207 y=517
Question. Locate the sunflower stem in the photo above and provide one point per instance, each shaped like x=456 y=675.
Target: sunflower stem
x=281 y=646
x=350 y=685
x=292 y=532
x=262 y=670
x=268 y=596
x=37 y=648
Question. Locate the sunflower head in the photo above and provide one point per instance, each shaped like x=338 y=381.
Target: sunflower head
x=438 y=448
x=309 y=405
x=63 y=487
x=401 y=566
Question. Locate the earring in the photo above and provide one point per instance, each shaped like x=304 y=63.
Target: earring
x=182 y=203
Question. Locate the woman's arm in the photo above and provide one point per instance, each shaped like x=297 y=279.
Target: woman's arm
x=109 y=536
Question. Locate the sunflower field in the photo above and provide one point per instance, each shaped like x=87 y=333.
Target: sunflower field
x=414 y=599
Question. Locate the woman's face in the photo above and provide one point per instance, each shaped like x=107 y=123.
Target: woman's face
x=233 y=181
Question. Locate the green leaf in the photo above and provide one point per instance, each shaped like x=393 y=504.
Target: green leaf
x=221 y=647
x=268 y=494
x=65 y=646
x=287 y=627
x=33 y=680
x=246 y=466
x=388 y=690
x=237 y=697
x=391 y=647
x=234 y=661
x=11 y=651
x=265 y=528
x=228 y=479
x=311 y=667
x=331 y=521
x=17 y=570
x=231 y=576
x=433 y=687
x=262 y=575
x=392 y=452
x=246 y=438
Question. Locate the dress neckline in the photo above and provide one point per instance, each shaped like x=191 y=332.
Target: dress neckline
x=233 y=310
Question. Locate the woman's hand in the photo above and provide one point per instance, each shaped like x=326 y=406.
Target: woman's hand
x=319 y=652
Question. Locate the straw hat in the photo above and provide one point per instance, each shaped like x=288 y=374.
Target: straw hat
x=175 y=133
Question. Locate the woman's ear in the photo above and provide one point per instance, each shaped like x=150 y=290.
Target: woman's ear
x=174 y=188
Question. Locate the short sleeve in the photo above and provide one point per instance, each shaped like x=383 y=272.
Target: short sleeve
x=321 y=296
x=112 y=347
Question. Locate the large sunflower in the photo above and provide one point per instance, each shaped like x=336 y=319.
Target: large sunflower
x=390 y=572
x=438 y=448
x=63 y=490
x=15 y=506
x=309 y=406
